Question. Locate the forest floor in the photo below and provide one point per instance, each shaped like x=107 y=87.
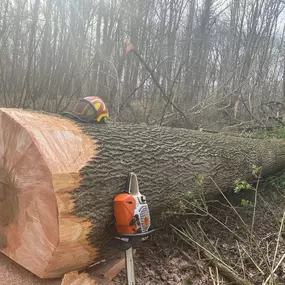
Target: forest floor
x=13 y=274
x=221 y=244
x=216 y=244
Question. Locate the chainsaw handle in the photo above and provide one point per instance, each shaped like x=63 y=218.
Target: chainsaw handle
x=132 y=185
x=138 y=235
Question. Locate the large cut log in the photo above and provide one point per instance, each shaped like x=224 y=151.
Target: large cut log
x=58 y=180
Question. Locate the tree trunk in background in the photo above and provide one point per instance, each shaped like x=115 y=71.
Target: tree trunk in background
x=27 y=83
x=58 y=180
x=52 y=52
x=283 y=90
x=200 y=52
x=186 y=50
x=44 y=72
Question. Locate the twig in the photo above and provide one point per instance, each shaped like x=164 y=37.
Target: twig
x=205 y=235
x=256 y=265
x=228 y=202
x=212 y=276
x=222 y=224
x=186 y=255
x=254 y=207
x=276 y=267
x=241 y=259
x=278 y=241
x=164 y=95
x=226 y=270
x=171 y=93
x=245 y=226
x=142 y=83
x=217 y=274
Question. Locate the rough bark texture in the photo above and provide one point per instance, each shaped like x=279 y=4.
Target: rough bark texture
x=58 y=180
x=168 y=162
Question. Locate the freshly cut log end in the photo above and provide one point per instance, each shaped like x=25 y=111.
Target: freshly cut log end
x=40 y=159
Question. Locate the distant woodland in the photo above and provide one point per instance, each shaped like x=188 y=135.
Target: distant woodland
x=218 y=62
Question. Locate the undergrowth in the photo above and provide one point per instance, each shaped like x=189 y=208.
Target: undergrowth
x=243 y=242
x=240 y=234
x=277 y=132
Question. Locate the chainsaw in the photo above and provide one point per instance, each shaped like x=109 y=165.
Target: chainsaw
x=131 y=210
x=132 y=222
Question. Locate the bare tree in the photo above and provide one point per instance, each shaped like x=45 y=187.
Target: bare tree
x=223 y=59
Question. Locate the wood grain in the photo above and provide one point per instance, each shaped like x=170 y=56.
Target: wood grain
x=40 y=160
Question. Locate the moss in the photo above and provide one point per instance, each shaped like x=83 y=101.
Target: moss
x=277 y=132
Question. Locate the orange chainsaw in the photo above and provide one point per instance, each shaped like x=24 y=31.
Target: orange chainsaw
x=132 y=222
x=131 y=210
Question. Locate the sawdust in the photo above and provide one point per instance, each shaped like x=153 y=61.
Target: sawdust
x=13 y=274
x=74 y=278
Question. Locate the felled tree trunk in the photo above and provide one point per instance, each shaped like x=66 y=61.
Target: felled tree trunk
x=58 y=180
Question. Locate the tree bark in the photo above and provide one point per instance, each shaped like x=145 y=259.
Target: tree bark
x=58 y=180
